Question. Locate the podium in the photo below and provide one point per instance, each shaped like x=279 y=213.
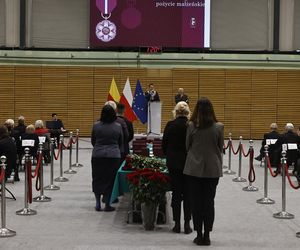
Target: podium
x=154 y=118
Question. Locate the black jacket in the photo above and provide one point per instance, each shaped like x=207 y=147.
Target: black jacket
x=179 y=98
x=173 y=143
x=8 y=149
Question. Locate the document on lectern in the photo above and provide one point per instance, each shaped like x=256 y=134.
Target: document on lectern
x=154 y=118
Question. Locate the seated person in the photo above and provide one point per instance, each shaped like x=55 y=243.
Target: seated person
x=8 y=149
x=56 y=128
x=43 y=132
x=285 y=142
x=30 y=135
x=269 y=139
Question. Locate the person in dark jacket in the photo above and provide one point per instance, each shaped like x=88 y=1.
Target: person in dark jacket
x=8 y=149
x=181 y=96
x=152 y=95
x=292 y=155
x=269 y=139
x=107 y=140
x=203 y=166
x=30 y=135
x=173 y=145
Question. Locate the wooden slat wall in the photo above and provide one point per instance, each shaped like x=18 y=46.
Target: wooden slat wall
x=288 y=105
x=80 y=99
x=28 y=92
x=212 y=85
x=7 y=93
x=245 y=100
x=238 y=102
x=264 y=101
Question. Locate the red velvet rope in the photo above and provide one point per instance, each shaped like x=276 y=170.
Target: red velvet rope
x=38 y=165
x=251 y=175
x=59 y=151
x=243 y=152
x=69 y=143
x=235 y=152
x=270 y=167
x=289 y=178
x=228 y=144
x=29 y=184
x=75 y=141
x=2 y=174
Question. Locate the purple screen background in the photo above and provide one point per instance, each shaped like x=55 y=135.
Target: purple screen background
x=157 y=26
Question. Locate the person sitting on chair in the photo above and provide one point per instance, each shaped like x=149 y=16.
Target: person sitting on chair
x=8 y=149
x=43 y=132
x=152 y=95
x=181 y=96
x=30 y=135
x=57 y=129
x=269 y=139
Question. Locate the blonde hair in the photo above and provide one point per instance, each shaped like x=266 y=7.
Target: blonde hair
x=182 y=109
x=30 y=129
x=289 y=126
x=39 y=124
x=9 y=122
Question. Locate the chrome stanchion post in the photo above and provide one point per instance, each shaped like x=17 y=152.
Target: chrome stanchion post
x=61 y=178
x=41 y=197
x=70 y=170
x=77 y=150
x=26 y=210
x=239 y=178
x=4 y=232
x=229 y=171
x=266 y=200
x=52 y=186
x=283 y=214
x=250 y=188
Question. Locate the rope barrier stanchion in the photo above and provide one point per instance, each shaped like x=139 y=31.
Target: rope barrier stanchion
x=41 y=197
x=239 y=178
x=4 y=232
x=283 y=214
x=229 y=171
x=77 y=150
x=70 y=170
x=266 y=199
x=61 y=178
x=224 y=150
x=251 y=176
x=52 y=186
x=27 y=168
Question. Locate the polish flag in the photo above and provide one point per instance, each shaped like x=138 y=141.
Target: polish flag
x=126 y=99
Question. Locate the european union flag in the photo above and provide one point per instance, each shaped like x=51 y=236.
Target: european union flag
x=139 y=103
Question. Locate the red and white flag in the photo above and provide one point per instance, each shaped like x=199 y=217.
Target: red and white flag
x=126 y=99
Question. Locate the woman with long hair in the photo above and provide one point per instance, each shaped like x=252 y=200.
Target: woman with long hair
x=173 y=145
x=107 y=140
x=203 y=166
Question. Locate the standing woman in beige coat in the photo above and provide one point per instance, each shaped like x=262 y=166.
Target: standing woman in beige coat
x=203 y=166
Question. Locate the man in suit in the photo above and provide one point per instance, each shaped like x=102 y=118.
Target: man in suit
x=152 y=95
x=271 y=138
x=289 y=137
x=181 y=96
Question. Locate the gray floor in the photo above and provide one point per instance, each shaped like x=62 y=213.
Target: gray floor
x=69 y=221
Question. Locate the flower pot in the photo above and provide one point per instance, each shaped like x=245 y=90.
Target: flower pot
x=149 y=215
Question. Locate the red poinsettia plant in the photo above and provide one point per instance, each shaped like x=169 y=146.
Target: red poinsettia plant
x=148 y=185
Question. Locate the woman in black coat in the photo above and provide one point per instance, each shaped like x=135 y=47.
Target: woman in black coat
x=8 y=149
x=173 y=145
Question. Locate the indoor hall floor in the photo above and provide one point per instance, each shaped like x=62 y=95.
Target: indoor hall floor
x=69 y=221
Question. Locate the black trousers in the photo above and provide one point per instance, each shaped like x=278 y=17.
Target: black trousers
x=179 y=194
x=202 y=193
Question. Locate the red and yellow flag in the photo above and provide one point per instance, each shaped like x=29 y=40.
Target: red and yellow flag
x=113 y=94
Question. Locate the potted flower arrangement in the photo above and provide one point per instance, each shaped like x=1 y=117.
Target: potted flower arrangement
x=148 y=186
x=133 y=162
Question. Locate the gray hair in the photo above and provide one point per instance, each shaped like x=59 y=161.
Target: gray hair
x=289 y=126
x=10 y=122
x=39 y=124
x=112 y=104
x=274 y=126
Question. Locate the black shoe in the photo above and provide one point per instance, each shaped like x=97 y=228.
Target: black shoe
x=187 y=227
x=198 y=241
x=206 y=241
x=98 y=209
x=109 y=209
x=16 y=178
x=258 y=158
x=176 y=228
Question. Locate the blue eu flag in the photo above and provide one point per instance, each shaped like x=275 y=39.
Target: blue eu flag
x=140 y=104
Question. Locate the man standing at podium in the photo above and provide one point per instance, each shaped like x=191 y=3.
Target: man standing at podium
x=152 y=95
